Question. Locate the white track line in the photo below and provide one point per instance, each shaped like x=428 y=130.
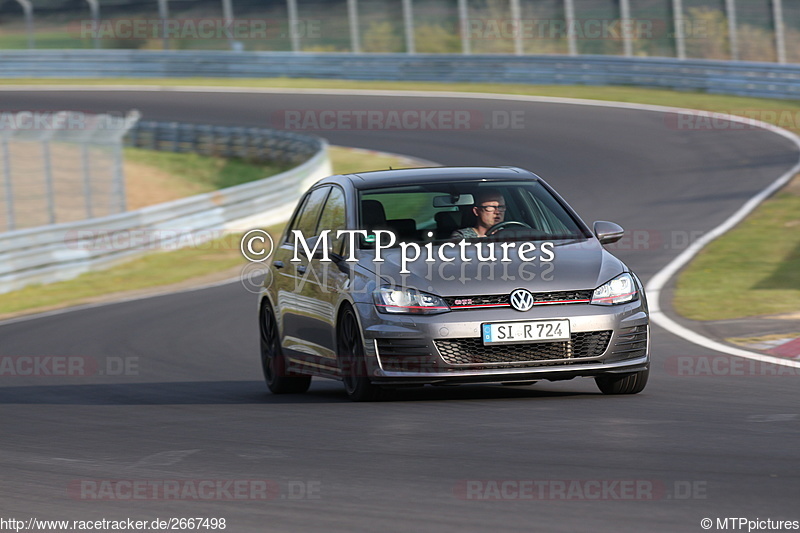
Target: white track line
x=659 y=280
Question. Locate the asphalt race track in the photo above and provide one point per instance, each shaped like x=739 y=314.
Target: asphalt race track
x=192 y=405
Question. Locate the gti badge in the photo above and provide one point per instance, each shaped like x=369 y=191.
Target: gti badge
x=521 y=300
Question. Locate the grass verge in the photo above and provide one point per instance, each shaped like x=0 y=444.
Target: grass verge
x=205 y=263
x=153 y=177
x=754 y=269
x=204 y=173
x=180 y=269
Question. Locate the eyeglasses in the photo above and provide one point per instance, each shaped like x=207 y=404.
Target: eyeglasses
x=493 y=208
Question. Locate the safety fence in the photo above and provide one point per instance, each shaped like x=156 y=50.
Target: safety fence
x=63 y=251
x=751 y=30
x=60 y=167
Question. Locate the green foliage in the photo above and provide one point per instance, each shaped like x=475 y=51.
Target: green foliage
x=707 y=34
x=756 y=44
x=210 y=173
x=752 y=270
x=382 y=37
x=435 y=39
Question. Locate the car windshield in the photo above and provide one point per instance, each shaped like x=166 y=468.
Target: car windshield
x=447 y=211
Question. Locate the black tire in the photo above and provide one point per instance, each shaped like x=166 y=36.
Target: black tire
x=350 y=351
x=623 y=383
x=273 y=363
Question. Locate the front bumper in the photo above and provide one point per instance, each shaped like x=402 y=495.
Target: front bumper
x=418 y=349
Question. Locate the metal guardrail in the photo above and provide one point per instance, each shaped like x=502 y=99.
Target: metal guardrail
x=252 y=144
x=725 y=77
x=63 y=251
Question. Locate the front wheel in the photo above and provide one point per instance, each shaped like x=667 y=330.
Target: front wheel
x=351 y=360
x=273 y=363
x=624 y=383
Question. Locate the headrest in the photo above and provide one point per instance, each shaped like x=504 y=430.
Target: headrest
x=447 y=219
x=372 y=214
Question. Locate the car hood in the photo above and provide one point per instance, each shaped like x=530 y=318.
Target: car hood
x=576 y=265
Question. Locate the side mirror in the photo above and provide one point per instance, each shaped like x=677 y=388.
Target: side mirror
x=608 y=232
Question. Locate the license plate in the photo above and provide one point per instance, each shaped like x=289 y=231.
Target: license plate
x=519 y=332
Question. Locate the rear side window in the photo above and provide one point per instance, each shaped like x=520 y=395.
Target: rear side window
x=307 y=217
x=334 y=218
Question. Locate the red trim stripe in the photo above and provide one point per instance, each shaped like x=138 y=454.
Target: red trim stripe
x=475 y=306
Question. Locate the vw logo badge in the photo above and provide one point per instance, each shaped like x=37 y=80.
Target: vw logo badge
x=521 y=300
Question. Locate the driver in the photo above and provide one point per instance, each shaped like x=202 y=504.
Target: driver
x=489 y=208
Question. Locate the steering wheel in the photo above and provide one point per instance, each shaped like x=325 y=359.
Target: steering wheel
x=502 y=226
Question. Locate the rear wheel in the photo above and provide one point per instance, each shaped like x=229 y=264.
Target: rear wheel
x=351 y=360
x=273 y=363
x=624 y=383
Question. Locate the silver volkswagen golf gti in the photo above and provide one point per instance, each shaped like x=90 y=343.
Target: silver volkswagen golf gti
x=443 y=276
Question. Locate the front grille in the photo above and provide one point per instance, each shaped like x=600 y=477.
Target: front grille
x=465 y=302
x=562 y=297
x=631 y=343
x=471 y=351
x=502 y=300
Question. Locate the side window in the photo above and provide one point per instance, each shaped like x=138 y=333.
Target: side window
x=293 y=223
x=306 y=219
x=334 y=218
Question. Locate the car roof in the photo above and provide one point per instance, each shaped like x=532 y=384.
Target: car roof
x=411 y=176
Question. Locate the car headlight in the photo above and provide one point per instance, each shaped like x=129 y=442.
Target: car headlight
x=619 y=290
x=406 y=300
